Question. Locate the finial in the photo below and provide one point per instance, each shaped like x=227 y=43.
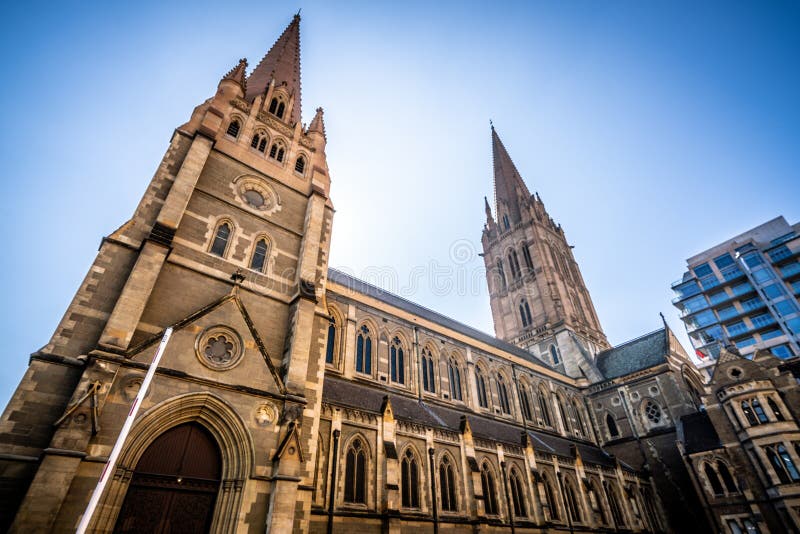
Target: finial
x=491 y=125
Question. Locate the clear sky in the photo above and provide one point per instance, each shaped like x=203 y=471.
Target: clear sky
x=652 y=130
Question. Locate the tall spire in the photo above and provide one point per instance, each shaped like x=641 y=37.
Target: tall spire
x=507 y=180
x=282 y=63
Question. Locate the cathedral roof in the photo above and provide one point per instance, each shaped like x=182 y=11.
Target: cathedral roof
x=646 y=351
x=399 y=302
x=282 y=63
x=370 y=398
x=507 y=181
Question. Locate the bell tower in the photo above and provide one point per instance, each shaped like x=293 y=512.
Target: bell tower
x=538 y=297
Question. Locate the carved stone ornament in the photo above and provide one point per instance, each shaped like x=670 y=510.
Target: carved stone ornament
x=219 y=348
x=266 y=414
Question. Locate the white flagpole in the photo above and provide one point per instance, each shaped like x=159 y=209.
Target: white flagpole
x=111 y=464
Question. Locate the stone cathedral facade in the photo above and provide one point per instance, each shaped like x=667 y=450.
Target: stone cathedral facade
x=293 y=397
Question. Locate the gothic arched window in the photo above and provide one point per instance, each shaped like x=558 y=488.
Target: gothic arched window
x=518 y=494
x=259 y=142
x=525 y=313
x=262 y=146
x=221 y=238
x=613 y=431
x=613 y=503
x=300 y=165
x=502 y=392
x=281 y=109
x=782 y=462
x=775 y=410
x=506 y=223
x=397 y=364
x=545 y=409
x=480 y=381
x=455 y=380
x=727 y=479
x=573 y=503
x=562 y=410
x=526 y=255
x=713 y=480
x=260 y=252
x=748 y=413
x=410 y=480
x=513 y=262
x=330 y=348
x=428 y=376
x=233 y=128
x=355 y=474
x=525 y=402
x=579 y=418
x=487 y=483
x=762 y=416
x=273 y=106
x=554 y=355
x=653 y=412
x=550 y=497
x=277 y=152
x=501 y=274
x=364 y=351
x=447 y=485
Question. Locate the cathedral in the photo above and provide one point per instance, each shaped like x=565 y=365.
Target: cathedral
x=292 y=397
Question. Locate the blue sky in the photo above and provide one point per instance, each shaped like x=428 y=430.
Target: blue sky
x=652 y=130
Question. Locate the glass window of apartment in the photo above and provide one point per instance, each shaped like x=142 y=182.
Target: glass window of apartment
x=702 y=270
x=781 y=351
x=705 y=318
x=695 y=304
x=736 y=328
x=794 y=325
x=763 y=275
x=779 y=253
x=727 y=267
x=785 y=307
x=687 y=290
x=752 y=304
x=706 y=276
x=746 y=342
x=723 y=261
x=770 y=334
x=790 y=269
x=773 y=291
x=719 y=296
x=727 y=313
x=711 y=334
x=796 y=286
x=763 y=319
x=752 y=259
x=743 y=288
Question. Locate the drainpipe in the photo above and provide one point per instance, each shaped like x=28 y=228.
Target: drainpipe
x=567 y=508
x=508 y=501
x=332 y=496
x=433 y=493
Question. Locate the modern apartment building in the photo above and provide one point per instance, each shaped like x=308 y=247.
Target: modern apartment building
x=744 y=292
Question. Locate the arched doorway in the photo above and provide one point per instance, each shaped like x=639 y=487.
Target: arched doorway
x=174 y=485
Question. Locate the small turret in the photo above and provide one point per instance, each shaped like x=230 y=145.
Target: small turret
x=234 y=83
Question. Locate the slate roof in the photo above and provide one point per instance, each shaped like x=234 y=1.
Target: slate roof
x=697 y=433
x=350 y=394
x=646 y=351
x=370 y=290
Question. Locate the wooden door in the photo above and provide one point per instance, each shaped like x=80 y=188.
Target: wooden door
x=175 y=484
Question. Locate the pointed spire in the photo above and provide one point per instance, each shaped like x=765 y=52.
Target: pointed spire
x=507 y=180
x=238 y=74
x=487 y=209
x=318 y=124
x=282 y=63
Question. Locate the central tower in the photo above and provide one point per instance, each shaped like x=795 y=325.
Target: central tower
x=538 y=298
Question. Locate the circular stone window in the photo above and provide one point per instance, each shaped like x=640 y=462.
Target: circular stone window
x=257 y=195
x=219 y=348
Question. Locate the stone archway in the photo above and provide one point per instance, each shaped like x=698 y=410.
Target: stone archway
x=220 y=421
